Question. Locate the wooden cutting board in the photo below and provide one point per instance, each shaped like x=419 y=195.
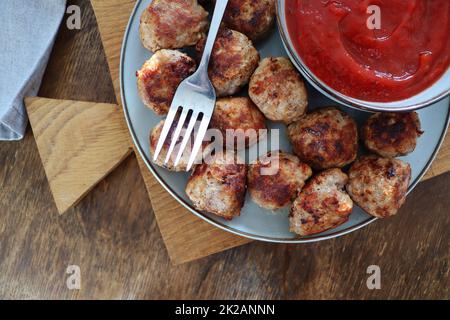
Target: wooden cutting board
x=186 y=236
x=79 y=144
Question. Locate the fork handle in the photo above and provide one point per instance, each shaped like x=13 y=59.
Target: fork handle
x=216 y=21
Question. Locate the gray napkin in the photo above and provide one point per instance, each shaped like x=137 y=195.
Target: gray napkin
x=27 y=33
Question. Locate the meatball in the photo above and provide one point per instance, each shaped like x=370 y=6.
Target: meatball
x=278 y=90
x=172 y=24
x=323 y=204
x=326 y=138
x=275 y=179
x=254 y=18
x=218 y=187
x=160 y=77
x=379 y=185
x=182 y=165
x=238 y=114
x=392 y=134
x=233 y=61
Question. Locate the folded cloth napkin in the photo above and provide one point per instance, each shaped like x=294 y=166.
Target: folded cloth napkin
x=27 y=33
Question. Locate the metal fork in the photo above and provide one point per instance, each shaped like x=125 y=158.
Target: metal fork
x=195 y=95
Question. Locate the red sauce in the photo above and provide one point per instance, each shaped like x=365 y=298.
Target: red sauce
x=408 y=54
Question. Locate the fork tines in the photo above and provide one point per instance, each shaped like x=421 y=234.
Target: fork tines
x=186 y=120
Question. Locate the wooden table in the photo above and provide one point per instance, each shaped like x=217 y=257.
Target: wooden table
x=113 y=237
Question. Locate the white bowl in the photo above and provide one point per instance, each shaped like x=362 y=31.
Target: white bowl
x=439 y=90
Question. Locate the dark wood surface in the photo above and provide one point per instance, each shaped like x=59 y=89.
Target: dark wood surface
x=112 y=234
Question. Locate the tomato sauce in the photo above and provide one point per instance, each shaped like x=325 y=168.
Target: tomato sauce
x=407 y=54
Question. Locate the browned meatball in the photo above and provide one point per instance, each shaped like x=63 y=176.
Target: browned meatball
x=160 y=77
x=322 y=205
x=392 y=134
x=233 y=61
x=275 y=179
x=182 y=165
x=238 y=114
x=379 y=185
x=278 y=90
x=172 y=24
x=254 y=18
x=219 y=187
x=326 y=138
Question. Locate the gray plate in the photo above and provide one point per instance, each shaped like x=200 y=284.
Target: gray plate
x=254 y=222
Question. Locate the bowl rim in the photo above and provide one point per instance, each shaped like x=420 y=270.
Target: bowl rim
x=334 y=94
x=189 y=207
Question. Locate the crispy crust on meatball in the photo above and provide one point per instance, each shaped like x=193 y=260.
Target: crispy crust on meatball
x=326 y=138
x=280 y=183
x=182 y=165
x=323 y=204
x=233 y=61
x=379 y=185
x=160 y=77
x=238 y=114
x=278 y=90
x=254 y=18
x=392 y=134
x=219 y=187
x=172 y=24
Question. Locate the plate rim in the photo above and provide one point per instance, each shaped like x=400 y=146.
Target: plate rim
x=189 y=207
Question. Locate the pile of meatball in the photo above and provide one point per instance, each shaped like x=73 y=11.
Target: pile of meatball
x=324 y=177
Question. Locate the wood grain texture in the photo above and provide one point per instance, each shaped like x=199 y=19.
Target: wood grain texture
x=187 y=237
x=113 y=236
x=112 y=18
x=441 y=164
x=79 y=143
